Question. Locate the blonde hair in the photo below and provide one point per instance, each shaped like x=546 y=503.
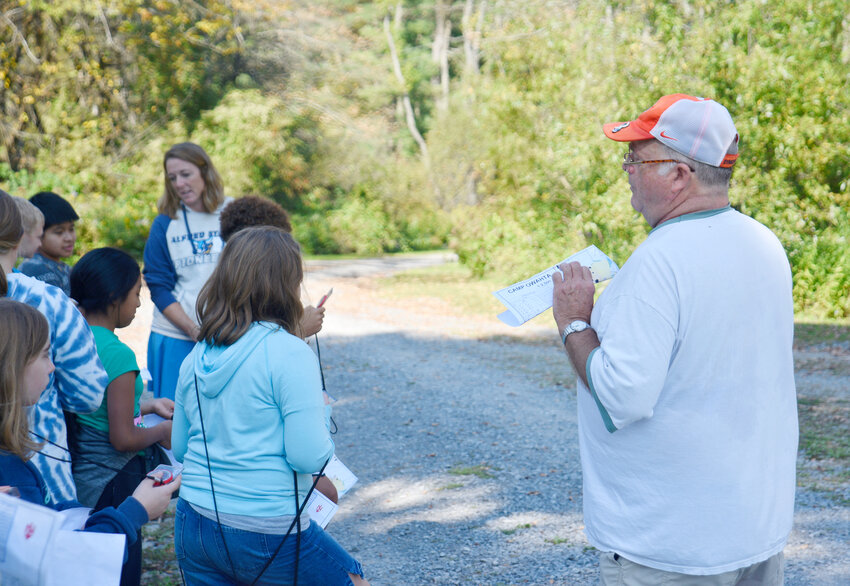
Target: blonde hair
x=258 y=278
x=11 y=231
x=213 y=194
x=30 y=214
x=25 y=332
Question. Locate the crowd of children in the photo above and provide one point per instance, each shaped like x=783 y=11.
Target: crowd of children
x=71 y=424
x=50 y=367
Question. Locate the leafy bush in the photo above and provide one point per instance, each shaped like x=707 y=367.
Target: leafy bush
x=550 y=183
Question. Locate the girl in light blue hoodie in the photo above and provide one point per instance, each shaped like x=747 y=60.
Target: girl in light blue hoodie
x=251 y=427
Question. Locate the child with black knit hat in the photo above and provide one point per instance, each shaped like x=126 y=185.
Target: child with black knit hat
x=57 y=241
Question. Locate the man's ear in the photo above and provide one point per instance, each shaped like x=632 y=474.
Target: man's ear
x=680 y=178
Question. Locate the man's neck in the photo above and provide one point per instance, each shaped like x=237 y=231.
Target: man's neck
x=702 y=201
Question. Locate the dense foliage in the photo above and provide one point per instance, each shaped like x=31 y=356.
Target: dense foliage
x=399 y=125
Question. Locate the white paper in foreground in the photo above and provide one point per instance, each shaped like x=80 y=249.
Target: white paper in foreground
x=34 y=550
x=85 y=558
x=529 y=298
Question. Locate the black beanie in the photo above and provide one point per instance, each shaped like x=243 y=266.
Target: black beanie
x=55 y=209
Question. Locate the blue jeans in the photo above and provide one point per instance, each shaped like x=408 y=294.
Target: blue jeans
x=204 y=560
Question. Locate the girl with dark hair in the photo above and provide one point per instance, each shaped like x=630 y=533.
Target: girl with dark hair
x=180 y=254
x=106 y=284
x=251 y=427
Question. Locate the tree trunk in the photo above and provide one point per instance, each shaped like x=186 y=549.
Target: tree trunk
x=440 y=53
x=472 y=36
x=405 y=98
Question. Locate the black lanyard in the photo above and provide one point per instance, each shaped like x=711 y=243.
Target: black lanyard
x=188 y=231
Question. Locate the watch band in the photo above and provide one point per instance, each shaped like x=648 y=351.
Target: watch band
x=574 y=326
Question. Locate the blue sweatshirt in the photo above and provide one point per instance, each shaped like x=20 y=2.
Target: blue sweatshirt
x=264 y=416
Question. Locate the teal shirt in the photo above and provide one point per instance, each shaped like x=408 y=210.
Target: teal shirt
x=117 y=359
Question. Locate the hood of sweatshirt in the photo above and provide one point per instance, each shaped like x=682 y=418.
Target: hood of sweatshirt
x=216 y=365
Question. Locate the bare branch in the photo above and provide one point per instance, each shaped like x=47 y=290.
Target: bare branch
x=102 y=15
x=19 y=36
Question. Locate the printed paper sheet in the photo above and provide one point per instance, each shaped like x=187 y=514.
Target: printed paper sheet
x=529 y=298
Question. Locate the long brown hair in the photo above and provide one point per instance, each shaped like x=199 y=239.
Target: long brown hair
x=11 y=231
x=213 y=195
x=25 y=332
x=258 y=278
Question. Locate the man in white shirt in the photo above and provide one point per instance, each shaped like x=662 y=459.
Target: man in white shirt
x=687 y=405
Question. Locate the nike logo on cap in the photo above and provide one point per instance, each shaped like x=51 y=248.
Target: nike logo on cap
x=664 y=135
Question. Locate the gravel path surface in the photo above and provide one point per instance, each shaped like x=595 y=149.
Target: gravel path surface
x=463 y=435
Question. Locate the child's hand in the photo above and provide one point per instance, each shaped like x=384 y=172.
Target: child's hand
x=155 y=499
x=311 y=321
x=163 y=407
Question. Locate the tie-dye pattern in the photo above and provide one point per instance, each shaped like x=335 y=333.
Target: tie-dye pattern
x=77 y=385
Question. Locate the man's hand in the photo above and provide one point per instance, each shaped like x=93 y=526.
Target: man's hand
x=573 y=294
x=311 y=321
x=572 y=299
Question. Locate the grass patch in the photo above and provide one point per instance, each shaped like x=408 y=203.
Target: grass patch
x=451 y=486
x=159 y=565
x=517 y=528
x=825 y=429
x=557 y=540
x=481 y=471
x=811 y=332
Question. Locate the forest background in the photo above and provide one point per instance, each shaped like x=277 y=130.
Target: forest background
x=406 y=125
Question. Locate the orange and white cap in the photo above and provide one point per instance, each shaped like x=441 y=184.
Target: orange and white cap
x=699 y=128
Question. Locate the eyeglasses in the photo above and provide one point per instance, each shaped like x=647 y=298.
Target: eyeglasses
x=629 y=160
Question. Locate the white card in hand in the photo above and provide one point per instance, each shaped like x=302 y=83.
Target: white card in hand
x=321 y=509
x=340 y=475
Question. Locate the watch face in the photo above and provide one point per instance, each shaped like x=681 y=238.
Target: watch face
x=575 y=326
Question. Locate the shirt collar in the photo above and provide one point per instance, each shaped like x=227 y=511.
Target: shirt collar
x=693 y=216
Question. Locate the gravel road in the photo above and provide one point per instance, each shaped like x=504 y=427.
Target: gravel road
x=463 y=435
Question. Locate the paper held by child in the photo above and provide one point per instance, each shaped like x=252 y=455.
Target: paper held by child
x=321 y=508
x=340 y=475
x=529 y=298
x=36 y=549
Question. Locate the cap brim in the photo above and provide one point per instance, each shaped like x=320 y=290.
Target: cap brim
x=625 y=131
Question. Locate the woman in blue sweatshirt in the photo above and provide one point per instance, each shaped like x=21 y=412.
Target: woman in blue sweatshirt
x=251 y=427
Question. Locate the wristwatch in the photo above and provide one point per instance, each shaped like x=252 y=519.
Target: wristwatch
x=575 y=326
